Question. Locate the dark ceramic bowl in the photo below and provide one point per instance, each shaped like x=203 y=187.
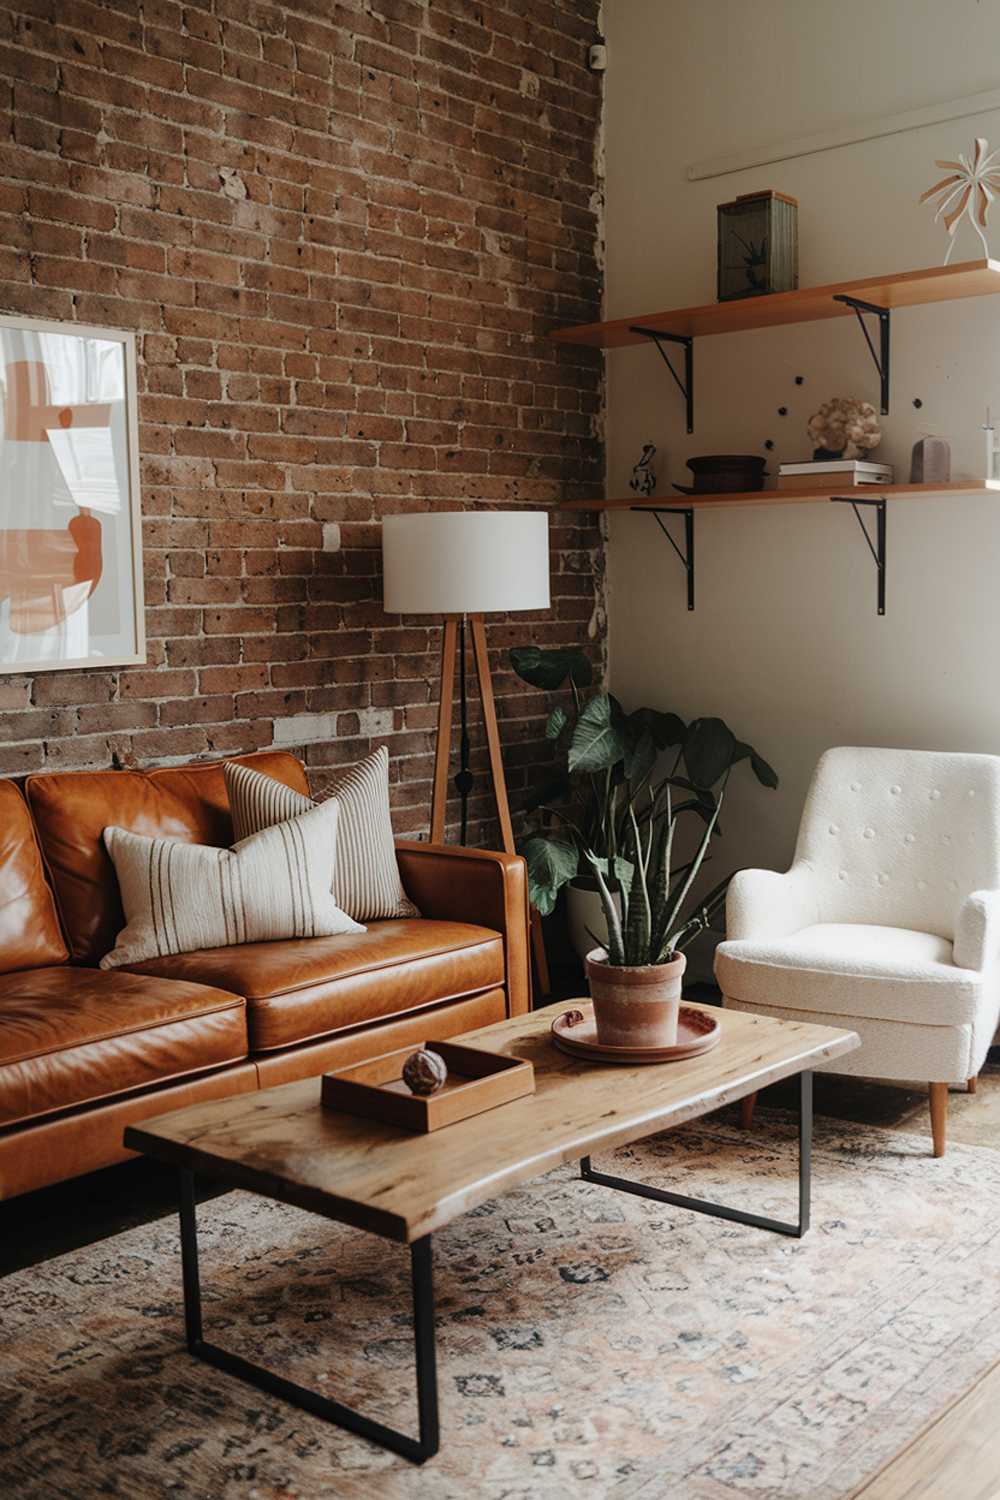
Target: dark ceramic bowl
x=724 y=473
x=710 y=463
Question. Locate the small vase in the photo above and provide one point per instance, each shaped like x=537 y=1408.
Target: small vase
x=635 y=1006
x=931 y=462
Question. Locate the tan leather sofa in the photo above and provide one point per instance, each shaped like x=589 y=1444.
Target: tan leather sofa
x=84 y=1051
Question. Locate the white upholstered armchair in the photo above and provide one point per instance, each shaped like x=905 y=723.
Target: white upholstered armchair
x=888 y=921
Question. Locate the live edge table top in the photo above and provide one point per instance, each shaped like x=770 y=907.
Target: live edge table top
x=283 y=1144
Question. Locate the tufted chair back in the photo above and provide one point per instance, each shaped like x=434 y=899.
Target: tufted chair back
x=900 y=838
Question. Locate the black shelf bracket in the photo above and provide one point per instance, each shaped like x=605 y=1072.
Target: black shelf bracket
x=881 y=359
x=687 y=556
x=685 y=386
x=876 y=548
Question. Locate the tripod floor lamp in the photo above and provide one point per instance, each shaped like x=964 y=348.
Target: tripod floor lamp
x=463 y=565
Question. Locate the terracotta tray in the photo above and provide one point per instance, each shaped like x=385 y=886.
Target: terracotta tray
x=697 y=1032
x=477 y=1081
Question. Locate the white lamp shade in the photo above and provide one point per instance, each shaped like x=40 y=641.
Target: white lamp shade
x=460 y=562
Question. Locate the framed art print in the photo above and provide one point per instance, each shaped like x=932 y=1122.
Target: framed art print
x=70 y=531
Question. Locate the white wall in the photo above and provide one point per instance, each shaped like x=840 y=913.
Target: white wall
x=784 y=642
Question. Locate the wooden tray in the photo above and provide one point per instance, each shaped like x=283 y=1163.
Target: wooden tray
x=697 y=1032
x=477 y=1081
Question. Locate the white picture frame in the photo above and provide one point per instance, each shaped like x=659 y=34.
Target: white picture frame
x=71 y=585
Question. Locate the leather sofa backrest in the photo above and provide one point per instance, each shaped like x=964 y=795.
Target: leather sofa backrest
x=72 y=808
x=29 y=928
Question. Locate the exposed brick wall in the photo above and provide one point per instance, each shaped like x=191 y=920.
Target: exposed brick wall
x=341 y=232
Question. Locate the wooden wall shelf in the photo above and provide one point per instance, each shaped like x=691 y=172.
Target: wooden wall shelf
x=740 y=501
x=680 y=328
x=875 y=296
x=862 y=498
x=971 y=278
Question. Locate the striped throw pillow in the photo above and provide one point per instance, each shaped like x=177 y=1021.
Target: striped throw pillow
x=181 y=897
x=365 y=879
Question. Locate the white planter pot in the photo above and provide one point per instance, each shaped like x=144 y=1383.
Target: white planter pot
x=585 y=917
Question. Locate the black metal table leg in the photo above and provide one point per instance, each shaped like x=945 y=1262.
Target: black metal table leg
x=719 y=1210
x=417 y=1450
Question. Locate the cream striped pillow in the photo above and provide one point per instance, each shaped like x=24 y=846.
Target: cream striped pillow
x=365 y=880
x=181 y=897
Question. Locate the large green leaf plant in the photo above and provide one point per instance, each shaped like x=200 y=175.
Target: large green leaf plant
x=612 y=813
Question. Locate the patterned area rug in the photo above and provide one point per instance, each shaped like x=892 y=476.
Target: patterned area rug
x=589 y=1343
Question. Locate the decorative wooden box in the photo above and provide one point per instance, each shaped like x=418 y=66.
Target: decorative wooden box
x=476 y=1081
x=758 y=245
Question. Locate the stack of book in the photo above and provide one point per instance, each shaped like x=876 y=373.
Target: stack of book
x=820 y=474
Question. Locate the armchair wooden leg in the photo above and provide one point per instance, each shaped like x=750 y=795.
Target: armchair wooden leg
x=939 y=1115
x=746 y=1110
x=972 y=1084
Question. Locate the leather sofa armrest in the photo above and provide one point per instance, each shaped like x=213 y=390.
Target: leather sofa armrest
x=480 y=886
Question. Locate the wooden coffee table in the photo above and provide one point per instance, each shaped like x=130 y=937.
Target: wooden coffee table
x=282 y=1144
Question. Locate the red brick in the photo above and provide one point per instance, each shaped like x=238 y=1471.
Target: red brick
x=184 y=711
x=72 y=687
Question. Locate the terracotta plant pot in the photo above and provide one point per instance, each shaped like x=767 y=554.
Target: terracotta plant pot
x=635 y=1007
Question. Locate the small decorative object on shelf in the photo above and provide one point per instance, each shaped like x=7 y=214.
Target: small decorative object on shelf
x=844 y=428
x=643 y=481
x=992 y=450
x=930 y=462
x=967 y=192
x=820 y=474
x=758 y=245
x=724 y=473
x=425 y=1072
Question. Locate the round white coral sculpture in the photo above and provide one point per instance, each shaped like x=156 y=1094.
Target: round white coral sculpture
x=845 y=426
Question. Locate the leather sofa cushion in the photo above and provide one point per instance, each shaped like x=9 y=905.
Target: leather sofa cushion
x=29 y=928
x=72 y=1036
x=299 y=990
x=73 y=1142
x=72 y=809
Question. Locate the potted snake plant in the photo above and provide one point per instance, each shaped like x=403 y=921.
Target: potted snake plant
x=635 y=981
x=617 y=823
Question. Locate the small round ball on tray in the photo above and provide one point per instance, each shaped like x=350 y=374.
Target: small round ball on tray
x=424 y=1072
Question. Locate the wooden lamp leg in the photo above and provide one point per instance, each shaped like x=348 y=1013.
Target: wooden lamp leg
x=442 y=754
x=481 y=654
x=492 y=731
x=939 y=1116
x=746 y=1110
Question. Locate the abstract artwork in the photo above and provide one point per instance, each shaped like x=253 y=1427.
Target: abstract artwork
x=70 y=539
